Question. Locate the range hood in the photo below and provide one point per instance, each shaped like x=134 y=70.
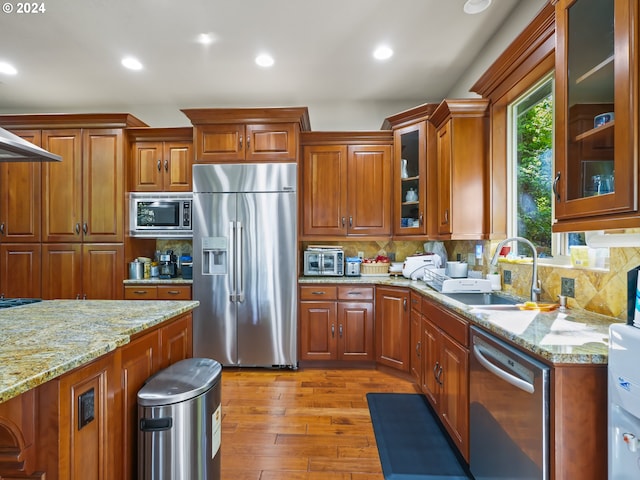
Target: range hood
x=16 y=149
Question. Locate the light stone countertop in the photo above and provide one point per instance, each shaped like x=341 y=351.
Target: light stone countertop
x=44 y=340
x=570 y=337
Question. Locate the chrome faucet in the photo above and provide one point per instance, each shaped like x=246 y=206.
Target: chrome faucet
x=535 y=289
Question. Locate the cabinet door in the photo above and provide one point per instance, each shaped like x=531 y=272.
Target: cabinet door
x=355 y=331
x=20 y=189
x=318 y=330
x=103 y=271
x=219 y=143
x=597 y=74
x=431 y=367
x=103 y=190
x=62 y=187
x=410 y=174
x=444 y=178
x=369 y=190
x=177 y=341
x=454 y=405
x=88 y=427
x=415 y=363
x=270 y=142
x=147 y=167
x=324 y=190
x=177 y=165
x=20 y=267
x=392 y=328
x=140 y=360
x=61 y=271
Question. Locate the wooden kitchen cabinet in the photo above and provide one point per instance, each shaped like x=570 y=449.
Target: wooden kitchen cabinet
x=160 y=159
x=461 y=169
x=157 y=292
x=596 y=182
x=141 y=358
x=445 y=370
x=336 y=323
x=415 y=334
x=413 y=152
x=393 y=328
x=20 y=186
x=231 y=135
x=20 y=270
x=90 y=271
x=346 y=184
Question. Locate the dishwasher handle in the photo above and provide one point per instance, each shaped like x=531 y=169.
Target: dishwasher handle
x=506 y=376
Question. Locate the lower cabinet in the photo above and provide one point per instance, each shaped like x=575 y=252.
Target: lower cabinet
x=393 y=327
x=415 y=344
x=445 y=370
x=336 y=323
x=157 y=292
x=20 y=272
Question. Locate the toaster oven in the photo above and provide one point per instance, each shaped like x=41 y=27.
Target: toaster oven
x=325 y=262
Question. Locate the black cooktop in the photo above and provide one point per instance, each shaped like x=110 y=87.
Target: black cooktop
x=14 y=302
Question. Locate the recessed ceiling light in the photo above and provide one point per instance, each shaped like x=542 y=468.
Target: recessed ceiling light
x=131 y=63
x=382 y=53
x=7 y=69
x=206 y=38
x=476 y=6
x=264 y=60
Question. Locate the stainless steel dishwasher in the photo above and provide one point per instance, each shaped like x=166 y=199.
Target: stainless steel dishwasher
x=509 y=412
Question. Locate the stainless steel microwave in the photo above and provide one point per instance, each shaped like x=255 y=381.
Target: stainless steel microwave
x=160 y=215
x=324 y=262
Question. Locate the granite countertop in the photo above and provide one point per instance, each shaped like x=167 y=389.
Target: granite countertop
x=41 y=341
x=569 y=337
x=159 y=281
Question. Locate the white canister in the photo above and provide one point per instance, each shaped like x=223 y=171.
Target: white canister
x=495 y=280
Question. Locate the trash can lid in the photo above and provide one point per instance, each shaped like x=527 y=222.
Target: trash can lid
x=181 y=381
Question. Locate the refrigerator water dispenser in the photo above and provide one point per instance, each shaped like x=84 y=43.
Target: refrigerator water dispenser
x=215 y=256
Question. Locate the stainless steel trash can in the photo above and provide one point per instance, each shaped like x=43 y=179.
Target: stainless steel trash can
x=179 y=421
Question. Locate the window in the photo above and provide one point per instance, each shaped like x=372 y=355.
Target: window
x=530 y=167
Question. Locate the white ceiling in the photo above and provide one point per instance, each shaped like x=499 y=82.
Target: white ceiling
x=68 y=58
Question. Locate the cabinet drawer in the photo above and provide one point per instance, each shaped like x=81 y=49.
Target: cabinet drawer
x=416 y=301
x=139 y=292
x=454 y=326
x=318 y=292
x=174 y=292
x=353 y=292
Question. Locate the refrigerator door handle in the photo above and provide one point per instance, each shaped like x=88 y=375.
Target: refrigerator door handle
x=232 y=261
x=239 y=276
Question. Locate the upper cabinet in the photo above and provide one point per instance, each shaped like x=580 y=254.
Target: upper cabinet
x=461 y=169
x=346 y=184
x=411 y=188
x=160 y=159
x=596 y=114
x=247 y=134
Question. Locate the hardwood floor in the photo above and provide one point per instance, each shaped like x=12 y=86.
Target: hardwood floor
x=309 y=424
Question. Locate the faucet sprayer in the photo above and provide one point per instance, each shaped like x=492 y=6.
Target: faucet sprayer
x=535 y=290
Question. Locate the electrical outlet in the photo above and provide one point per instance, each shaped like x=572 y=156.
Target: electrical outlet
x=568 y=287
x=506 y=277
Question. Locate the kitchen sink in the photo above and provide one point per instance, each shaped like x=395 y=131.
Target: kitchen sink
x=482 y=299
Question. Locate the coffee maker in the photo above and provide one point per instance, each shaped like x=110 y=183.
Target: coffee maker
x=167 y=264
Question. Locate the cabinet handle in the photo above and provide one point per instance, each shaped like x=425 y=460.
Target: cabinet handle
x=77 y=229
x=343 y=221
x=421 y=219
x=418 y=349
x=555 y=186
x=2 y=228
x=140 y=292
x=166 y=165
x=350 y=221
x=85 y=228
x=240 y=144
x=159 y=165
x=354 y=292
x=84 y=296
x=333 y=331
x=435 y=370
x=340 y=330
x=248 y=143
x=446 y=216
x=440 y=382
x=173 y=292
x=77 y=296
x=318 y=293
x=404 y=304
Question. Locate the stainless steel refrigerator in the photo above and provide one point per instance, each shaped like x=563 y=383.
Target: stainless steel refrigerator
x=245 y=263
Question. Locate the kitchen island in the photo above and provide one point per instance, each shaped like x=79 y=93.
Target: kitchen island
x=69 y=375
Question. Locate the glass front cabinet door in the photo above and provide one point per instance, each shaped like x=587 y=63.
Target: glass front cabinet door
x=596 y=114
x=410 y=179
